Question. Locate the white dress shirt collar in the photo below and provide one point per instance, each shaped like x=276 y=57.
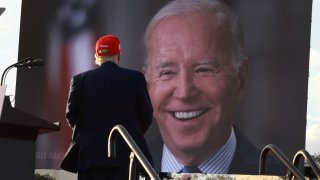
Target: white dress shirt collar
x=218 y=163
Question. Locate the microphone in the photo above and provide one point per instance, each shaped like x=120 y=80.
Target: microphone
x=30 y=63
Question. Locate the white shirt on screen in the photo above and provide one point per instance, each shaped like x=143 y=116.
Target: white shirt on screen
x=216 y=164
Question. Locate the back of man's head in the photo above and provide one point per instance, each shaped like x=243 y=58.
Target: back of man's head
x=107 y=49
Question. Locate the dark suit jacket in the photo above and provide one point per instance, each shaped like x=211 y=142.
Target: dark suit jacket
x=245 y=161
x=104 y=97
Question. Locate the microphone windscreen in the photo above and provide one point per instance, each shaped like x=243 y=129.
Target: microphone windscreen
x=37 y=62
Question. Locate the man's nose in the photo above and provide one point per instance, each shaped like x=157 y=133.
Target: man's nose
x=185 y=88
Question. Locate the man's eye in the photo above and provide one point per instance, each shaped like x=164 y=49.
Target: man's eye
x=166 y=74
x=207 y=71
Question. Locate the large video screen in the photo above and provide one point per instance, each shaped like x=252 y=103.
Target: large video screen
x=63 y=33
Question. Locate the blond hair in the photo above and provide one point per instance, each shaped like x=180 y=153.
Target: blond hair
x=102 y=59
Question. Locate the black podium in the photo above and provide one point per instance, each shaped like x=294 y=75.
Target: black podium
x=18 y=133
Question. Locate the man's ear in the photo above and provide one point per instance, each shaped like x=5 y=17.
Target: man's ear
x=243 y=78
x=145 y=73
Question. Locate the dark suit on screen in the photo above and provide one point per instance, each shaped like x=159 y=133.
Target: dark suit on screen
x=104 y=97
x=245 y=160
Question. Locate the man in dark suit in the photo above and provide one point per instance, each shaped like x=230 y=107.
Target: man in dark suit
x=101 y=98
x=197 y=75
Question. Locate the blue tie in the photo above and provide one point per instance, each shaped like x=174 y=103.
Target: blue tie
x=190 y=169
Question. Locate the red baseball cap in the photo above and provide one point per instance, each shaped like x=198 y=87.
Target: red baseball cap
x=108 y=45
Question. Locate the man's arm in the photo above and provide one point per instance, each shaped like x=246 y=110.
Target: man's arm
x=72 y=102
x=145 y=106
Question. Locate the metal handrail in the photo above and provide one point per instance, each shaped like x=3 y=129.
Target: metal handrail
x=281 y=157
x=119 y=129
x=309 y=159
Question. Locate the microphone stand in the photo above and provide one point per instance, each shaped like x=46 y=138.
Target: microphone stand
x=10 y=67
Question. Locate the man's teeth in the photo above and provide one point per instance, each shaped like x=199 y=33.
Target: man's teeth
x=187 y=115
